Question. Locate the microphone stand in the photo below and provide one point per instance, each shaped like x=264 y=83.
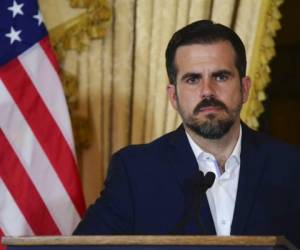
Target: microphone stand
x=195 y=189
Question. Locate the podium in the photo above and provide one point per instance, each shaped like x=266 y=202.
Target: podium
x=147 y=243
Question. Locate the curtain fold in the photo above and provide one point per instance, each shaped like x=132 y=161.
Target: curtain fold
x=223 y=11
x=143 y=31
x=123 y=32
x=263 y=19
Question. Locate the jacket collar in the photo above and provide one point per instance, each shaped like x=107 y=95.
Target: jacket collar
x=251 y=169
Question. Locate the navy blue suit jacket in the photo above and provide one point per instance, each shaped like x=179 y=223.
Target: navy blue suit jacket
x=143 y=191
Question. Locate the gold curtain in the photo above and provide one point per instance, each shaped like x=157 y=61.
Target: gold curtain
x=122 y=78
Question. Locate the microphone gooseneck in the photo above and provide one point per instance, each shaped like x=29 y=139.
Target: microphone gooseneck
x=194 y=192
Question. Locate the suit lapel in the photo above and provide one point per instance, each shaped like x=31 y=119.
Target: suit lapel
x=181 y=156
x=185 y=165
x=252 y=164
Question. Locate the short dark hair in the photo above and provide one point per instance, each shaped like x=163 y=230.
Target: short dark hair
x=204 y=32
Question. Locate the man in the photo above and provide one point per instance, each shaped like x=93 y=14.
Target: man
x=148 y=188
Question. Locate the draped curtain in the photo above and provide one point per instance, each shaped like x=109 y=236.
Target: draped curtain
x=122 y=78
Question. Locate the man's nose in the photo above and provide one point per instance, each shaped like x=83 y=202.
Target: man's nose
x=207 y=88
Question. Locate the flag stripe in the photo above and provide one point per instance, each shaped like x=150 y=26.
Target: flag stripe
x=46 y=81
x=50 y=137
x=35 y=211
x=1 y=233
x=12 y=220
x=36 y=163
x=45 y=44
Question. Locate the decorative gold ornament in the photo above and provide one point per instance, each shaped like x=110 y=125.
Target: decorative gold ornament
x=76 y=35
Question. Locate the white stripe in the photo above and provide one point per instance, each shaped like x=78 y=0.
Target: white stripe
x=46 y=81
x=36 y=164
x=12 y=220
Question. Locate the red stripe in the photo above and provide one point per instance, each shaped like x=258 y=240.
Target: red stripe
x=45 y=129
x=1 y=235
x=45 y=44
x=24 y=192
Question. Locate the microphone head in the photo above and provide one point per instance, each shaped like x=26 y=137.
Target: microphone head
x=209 y=179
x=199 y=182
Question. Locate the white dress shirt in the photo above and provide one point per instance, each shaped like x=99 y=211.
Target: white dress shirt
x=222 y=195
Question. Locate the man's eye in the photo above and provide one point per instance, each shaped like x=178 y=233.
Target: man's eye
x=192 y=80
x=221 y=77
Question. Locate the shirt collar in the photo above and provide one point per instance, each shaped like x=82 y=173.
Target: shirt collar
x=236 y=153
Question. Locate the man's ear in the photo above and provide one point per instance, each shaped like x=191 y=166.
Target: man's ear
x=171 y=91
x=246 y=84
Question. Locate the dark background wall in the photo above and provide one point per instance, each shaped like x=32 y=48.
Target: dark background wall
x=282 y=116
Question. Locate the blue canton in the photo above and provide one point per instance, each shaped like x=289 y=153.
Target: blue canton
x=21 y=26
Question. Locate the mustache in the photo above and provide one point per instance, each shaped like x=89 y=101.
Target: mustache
x=209 y=102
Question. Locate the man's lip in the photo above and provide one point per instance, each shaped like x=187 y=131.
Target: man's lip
x=210 y=109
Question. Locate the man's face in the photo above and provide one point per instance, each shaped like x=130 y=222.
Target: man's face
x=209 y=92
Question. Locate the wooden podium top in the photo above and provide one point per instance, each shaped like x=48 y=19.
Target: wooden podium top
x=149 y=240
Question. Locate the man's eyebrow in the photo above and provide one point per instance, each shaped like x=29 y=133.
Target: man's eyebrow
x=190 y=75
x=222 y=72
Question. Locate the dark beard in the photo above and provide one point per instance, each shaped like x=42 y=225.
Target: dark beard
x=212 y=128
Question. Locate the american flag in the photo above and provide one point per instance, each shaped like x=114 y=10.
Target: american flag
x=40 y=192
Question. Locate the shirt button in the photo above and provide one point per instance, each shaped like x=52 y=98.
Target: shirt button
x=223 y=222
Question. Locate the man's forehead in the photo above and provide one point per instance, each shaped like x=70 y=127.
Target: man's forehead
x=219 y=51
x=220 y=54
x=224 y=44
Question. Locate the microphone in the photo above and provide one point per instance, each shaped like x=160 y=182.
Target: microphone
x=194 y=191
x=209 y=179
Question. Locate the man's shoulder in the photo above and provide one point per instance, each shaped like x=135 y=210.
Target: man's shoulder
x=158 y=145
x=149 y=157
x=268 y=143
